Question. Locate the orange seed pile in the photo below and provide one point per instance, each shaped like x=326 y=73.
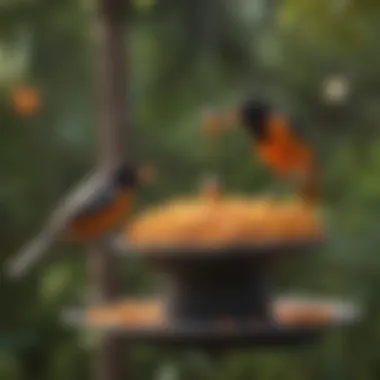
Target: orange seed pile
x=218 y=220
x=151 y=313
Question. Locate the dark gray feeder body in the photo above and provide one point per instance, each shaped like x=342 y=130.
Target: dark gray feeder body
x=210 y=286
x=208 y=290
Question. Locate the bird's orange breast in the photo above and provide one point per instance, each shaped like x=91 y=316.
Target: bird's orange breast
x=283 y=151
x=94 y=225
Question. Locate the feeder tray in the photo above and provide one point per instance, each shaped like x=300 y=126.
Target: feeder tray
x=138 y=321
x=222 y=223
x=217 y=252
x=266 y=252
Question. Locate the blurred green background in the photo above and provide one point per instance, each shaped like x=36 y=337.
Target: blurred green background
x=318 y=59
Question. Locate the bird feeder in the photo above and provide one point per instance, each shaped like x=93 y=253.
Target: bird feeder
x=217 y=253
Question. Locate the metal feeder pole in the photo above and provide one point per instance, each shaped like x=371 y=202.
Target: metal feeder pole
x=115 y=146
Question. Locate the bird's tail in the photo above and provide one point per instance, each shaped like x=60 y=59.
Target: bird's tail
x=30 y=255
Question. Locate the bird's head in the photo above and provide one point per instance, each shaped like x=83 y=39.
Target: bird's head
x=250 y=115
x=253 y=115
x=126 y=176
x=130 y=175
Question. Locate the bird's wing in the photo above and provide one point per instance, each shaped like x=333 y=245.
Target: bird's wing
x=78 y=200
x=82 y=198
x=100 y=201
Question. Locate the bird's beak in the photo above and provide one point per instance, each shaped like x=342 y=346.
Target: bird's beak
x=147 y=174
x=217 y=122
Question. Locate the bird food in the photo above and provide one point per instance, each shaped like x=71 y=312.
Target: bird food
x=214 y=220
x=151 y=313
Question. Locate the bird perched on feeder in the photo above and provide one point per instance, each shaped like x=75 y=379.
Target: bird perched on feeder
x=279 y=145
x=89 y=214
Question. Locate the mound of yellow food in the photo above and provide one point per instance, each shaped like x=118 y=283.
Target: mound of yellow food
x=214 y=220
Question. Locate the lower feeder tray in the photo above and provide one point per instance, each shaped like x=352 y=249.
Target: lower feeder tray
x=145 y=321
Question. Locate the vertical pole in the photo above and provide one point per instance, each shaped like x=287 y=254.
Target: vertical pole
x=111 y=360
x=115 y=145
x=115 y=140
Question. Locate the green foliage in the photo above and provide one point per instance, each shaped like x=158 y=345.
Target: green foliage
x=185 y=57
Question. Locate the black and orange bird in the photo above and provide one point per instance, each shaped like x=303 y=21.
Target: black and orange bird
x=275 y=140
x=91 y=212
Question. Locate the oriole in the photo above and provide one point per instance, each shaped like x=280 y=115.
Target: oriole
x=278 y=144
x=90 y=213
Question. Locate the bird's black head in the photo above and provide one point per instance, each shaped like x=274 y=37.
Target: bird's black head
x=254 y=115
x=126 y=176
